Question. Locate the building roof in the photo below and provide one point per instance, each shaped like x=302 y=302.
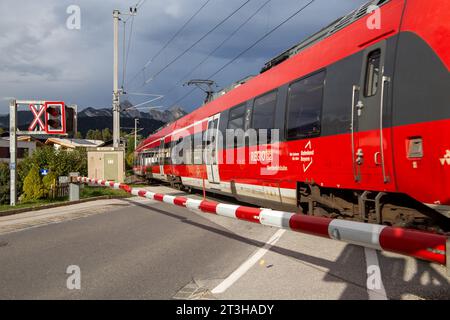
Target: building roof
x=75 y=143
x=4 y=141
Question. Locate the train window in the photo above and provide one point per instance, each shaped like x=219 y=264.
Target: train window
x=184 y=148
x=197 y=154
x=236 y=119
x=237 y=122
x=177 y=152
x=264 y=114
x=166 y=153
x=155 y=156
x=305 y=107
x=373 y=73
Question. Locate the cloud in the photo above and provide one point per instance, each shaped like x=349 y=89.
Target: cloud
x=42 y=59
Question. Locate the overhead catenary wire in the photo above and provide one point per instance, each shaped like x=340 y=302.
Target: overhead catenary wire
x=261 y=39
x=127 y=52
x=195 y=43
x=249 y=48
x=139 y=4
x=176 y=34
x=231 y=35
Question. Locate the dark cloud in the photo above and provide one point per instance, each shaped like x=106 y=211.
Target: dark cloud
x=42 y=59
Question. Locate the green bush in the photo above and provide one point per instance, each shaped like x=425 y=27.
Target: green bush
x=4 y=183
x=61 y=163
x=58 y=162
x=129 y=161
x=33 y=187
x=49 y=180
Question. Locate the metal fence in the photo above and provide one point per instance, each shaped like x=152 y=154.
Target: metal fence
x=58 y=191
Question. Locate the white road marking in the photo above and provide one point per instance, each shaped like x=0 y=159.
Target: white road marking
x=373 y=265
x=243 y=268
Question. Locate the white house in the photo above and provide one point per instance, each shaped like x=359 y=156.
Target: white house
x=71 y=144
x=24 y=148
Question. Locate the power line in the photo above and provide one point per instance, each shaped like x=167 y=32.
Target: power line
x=123 y=49
x=128 y=51
x=170 y=40
x=139 y=4
x=177 y=33
x=183 y=97
x=131 y=16
x=195 y=43
x=262 y=38
x=249 y=48
x=219 y=46
x=125 y=53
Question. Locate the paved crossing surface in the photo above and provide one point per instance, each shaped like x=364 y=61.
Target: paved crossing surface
x=138 y=249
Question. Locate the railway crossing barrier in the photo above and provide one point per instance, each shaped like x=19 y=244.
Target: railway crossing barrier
x=419 y=244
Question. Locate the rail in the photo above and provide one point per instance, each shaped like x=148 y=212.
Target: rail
x=418 y=244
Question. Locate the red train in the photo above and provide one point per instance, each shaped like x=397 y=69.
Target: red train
x=362 y=113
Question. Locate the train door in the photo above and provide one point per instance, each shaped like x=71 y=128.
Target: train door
x=370 y=141
x=211 y=149
x=162 y=155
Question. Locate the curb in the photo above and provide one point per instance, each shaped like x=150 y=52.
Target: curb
x=56 y=205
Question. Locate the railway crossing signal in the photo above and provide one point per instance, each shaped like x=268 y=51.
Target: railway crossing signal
x=58 y=119
x=55 y=117
x=38 y=111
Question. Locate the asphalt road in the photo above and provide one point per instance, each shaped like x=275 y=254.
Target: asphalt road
x=138 y=249
x=129 y=252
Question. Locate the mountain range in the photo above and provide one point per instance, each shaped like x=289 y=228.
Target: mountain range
x=165 y=116
x=93 y=118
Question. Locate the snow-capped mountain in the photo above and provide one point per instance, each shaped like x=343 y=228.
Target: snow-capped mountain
x=166 y=116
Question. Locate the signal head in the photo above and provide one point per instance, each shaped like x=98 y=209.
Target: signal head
x=55 y=118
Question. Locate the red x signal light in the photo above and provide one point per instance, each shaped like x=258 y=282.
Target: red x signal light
x=55 y=117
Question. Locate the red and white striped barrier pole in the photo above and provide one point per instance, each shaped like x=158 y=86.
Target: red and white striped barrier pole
x=422 y=245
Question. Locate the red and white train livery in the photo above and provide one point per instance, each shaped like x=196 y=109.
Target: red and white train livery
x=363 y=113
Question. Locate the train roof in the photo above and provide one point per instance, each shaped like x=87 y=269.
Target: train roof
x=326 y=32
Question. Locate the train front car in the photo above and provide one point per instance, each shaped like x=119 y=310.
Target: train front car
x=399 y=121
x=421 y=104
x=362 y=110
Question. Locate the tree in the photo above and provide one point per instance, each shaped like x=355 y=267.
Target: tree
x=98 y=135
x=49 y=180
x=129 y=160
x=106 y=134
x=78 y=135
x=2 y=131
x=4 y=183
x=90 y=134
x=59 y=163
x=94 y=134
x=33 y=187
x=130 y=144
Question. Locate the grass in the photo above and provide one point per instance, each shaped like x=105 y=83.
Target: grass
x=90 y=192
x=85 y=193
x=31 y=204
x=138 y=185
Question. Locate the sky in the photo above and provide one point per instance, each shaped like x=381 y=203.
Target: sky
x=41 y=58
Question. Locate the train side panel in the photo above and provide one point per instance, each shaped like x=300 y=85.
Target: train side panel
x=421 y=118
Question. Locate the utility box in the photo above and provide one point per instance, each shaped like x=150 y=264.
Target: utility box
x=106 y=163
